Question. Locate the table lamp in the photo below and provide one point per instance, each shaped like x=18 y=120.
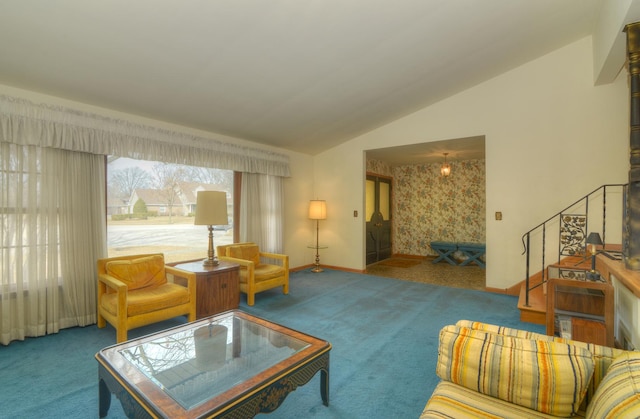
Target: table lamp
x=211 y=209
x=592 y=241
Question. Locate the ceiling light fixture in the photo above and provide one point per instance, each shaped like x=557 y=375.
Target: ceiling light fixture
x=445 y=170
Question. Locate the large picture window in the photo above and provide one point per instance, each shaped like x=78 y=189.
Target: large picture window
x=151 y=208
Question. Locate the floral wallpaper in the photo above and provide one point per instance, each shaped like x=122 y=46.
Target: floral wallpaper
x=428 y=207
x=379 y=168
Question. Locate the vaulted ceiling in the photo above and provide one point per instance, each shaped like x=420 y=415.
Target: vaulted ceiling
x=303 y=75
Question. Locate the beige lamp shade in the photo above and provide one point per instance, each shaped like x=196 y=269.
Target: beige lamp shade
x=317 y=210
x=211 y=208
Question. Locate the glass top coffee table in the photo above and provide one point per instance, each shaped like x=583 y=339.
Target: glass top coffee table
x=229 y=365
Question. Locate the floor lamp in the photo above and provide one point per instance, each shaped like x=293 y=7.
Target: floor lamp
x=211 y=209
x=317 y=211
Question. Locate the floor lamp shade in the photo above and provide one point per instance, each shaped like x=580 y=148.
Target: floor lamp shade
x=211 y=209
x=318 y=210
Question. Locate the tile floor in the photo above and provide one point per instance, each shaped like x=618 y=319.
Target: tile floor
x=441 y=273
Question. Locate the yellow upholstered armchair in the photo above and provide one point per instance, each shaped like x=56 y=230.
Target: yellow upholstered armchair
x=255 y=275
x=134 y=291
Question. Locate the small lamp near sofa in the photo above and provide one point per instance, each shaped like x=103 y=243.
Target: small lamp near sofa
x=317 y=211
x=211 y=209
x=592 y=241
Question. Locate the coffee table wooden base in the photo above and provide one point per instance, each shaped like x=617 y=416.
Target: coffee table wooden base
x=271 y=397
x=263 y=400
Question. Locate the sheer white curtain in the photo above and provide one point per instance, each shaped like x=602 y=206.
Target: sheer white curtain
x=261 y=211
x=52 y=209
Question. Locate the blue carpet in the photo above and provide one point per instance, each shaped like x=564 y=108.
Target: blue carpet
x=384 y=334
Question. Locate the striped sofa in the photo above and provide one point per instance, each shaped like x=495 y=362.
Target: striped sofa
x=489 y=371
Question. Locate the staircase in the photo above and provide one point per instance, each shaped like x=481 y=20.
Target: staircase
x=562 y=239
x=536 y=311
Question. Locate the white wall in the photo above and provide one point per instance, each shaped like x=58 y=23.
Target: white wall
x=609 y=45
x=551 y=138
x=299 y=230
x=545 y=124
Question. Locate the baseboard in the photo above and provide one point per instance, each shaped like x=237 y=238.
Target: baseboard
x=400 y=255
x=336 y=268
x=499 y=291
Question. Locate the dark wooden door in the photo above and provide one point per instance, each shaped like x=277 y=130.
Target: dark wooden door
x=378 y=215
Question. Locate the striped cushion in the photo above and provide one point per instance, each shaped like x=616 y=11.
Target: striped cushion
x=603 y=356
x=453 y=401
x=549 y=377
x=501 y=330
x=618 y=395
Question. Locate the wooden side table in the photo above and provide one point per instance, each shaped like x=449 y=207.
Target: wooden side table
x=217 y=287
x=580 y=310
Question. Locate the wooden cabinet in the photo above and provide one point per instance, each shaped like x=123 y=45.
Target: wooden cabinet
x=627 y=324
x=580 y=310
x=217 y=287
x=626 y=284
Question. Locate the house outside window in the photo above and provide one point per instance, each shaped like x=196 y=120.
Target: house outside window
x=152 y=208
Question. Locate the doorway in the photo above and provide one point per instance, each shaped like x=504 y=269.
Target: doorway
x=378 y=216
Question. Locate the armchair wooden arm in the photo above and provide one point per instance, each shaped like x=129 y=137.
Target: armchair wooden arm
x=106 y=280
x=248 y=265
x=277 y=256
x=189 y=276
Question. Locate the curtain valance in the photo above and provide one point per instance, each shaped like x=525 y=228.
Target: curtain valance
x=26 y=123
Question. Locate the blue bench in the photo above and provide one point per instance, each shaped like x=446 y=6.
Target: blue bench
x=445 y=251
x=472 y=252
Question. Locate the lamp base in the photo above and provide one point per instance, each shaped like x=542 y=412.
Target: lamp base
x=593 y=275
x=210 y=262
x=317 y=269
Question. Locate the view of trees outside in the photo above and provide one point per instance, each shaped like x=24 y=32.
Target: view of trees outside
x=151 y=207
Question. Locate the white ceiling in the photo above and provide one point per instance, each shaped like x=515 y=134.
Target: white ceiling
x=304 y=75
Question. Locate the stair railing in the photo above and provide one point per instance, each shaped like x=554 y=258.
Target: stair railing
x=571 y=240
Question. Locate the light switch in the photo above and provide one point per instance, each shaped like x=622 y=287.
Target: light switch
x=355 y=213
x=499 y=215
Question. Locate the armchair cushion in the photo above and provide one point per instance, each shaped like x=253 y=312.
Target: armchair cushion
x=550 y=377
x=245 y=251
x=147 y=300
x=138 y=273
x=266 y=271
x=262 y=273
